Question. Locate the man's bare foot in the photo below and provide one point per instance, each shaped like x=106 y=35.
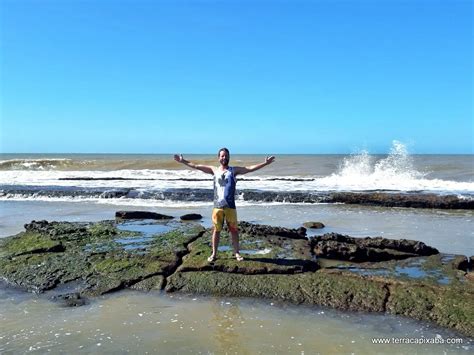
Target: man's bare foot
x=239 y=257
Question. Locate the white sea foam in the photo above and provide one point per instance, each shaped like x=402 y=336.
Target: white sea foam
x=351 y=178
x=137 y=202
x=395 y=172
x=33 y=164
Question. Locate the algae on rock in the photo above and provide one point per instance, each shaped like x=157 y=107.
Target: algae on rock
x=279 y=263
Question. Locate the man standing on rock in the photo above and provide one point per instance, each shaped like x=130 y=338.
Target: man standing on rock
x=224 y=196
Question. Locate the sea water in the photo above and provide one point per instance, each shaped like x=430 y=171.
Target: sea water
x=134 y=322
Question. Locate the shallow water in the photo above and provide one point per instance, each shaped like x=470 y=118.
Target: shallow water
x=155 y=322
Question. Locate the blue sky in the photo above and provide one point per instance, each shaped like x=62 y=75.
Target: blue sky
x=256 y=76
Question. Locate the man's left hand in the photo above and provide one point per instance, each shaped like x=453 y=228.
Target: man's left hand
x=269 y=160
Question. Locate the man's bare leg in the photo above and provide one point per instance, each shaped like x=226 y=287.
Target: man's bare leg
x=235 y=245
x=215 y=244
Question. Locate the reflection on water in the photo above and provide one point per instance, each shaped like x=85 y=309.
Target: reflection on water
x=146 y=227
x=227 y=321
x=155 y=322
x=413 y=269
x=246 y=251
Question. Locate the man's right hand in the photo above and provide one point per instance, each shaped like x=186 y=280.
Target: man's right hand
x=179 y=158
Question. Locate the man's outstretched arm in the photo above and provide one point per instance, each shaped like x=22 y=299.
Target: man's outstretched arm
x=204 y=168
x=249 y=169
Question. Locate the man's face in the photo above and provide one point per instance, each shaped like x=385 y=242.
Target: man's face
x=223 y=158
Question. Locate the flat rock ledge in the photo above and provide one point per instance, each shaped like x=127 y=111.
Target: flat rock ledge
x=72 y=262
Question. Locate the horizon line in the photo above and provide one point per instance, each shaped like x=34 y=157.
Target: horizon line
x=213 y=153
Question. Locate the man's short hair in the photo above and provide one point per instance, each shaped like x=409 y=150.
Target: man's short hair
x=223 y=149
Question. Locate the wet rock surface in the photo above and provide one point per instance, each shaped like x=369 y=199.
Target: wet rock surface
x=266 y=250
x=191 y=217
x=70 y=300
x=264 y=230
x=314 y=225
x=374 y=198
x=140 y=215
x=77 y=261
x=343 y=247
x=413 y=200
x=461 y=262
x=99 y=257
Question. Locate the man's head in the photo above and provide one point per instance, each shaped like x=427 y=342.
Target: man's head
x=224 y=156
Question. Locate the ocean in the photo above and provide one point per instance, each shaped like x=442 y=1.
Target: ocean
x=91 y=187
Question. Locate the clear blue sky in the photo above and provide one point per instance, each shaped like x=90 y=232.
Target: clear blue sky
x=291 y=76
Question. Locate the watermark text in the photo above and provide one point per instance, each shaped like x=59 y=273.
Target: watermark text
x=421 y=340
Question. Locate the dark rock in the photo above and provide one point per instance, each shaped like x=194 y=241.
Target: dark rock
x=67 y=231
x=54 y=248
x=58 y=230
x=151 y=283
x=70 y=300
x=342 y=247
x=114 y=193
x=376 y=198
x=415 y=200
x=39 y=226
x=461 y=262
x=140 y=215
x=261 y=229
x=191 y=217
x=291 y=197
x=314 y=225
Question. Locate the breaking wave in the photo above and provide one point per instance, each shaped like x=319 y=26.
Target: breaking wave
x=396 y=172
x=34 y=164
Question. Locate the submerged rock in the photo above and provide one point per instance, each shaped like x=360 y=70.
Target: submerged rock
x=70 y=300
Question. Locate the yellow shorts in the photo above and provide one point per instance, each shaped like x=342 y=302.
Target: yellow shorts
x=230 y=216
